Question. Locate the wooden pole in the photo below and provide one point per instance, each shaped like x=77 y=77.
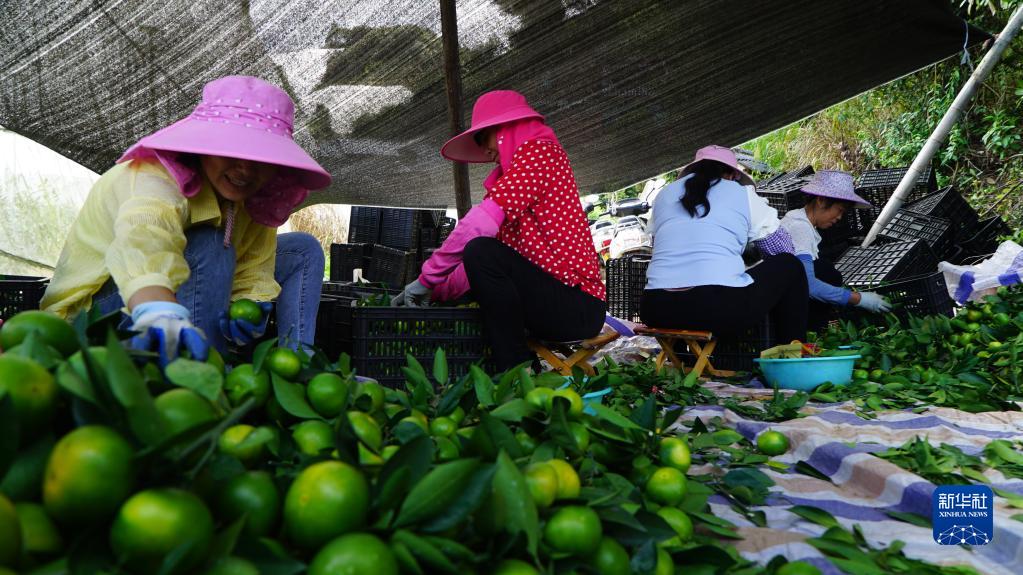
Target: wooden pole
x=453 y=81
x=952 y=115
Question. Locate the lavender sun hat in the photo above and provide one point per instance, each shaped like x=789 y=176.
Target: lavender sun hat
x=836 y=185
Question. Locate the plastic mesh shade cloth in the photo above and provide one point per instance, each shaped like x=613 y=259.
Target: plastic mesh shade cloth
x=632 y=88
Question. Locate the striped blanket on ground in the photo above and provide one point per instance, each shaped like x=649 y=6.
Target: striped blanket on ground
x=839 y=443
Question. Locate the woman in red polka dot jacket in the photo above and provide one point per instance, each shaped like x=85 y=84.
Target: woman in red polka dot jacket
x=525 y=252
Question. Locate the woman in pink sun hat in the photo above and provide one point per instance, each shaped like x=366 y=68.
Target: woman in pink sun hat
x=697 y=279
x=525 y=252
x=185 y=222
x=829 y=196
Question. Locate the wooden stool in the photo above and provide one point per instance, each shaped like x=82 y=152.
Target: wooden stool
x=702 y=344
x=572 y=353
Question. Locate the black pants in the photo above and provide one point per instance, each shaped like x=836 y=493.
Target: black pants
x=779 y=289
x=517 y=297
x=820 y=313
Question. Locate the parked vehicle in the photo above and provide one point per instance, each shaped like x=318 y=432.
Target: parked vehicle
x=602 y=232
x=629 y=206
x=630 y=236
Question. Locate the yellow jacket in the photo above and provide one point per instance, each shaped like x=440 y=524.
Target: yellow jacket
x=132 y=228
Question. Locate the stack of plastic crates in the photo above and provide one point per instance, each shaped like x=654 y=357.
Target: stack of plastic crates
x=393 y=267
x=937 y=232
x=383 y=335
x=986 y=239
x=804 y=172
x=866 y=268
x=346 y=258
x=364 y=225
x=20 y=293
x=402 y=229
x=626 y=279
x=922 y=295
x=334 y=320
x=876 y=186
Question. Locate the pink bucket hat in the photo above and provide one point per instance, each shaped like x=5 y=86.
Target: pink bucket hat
x=247 y=118
x=719 y=154
x=836 y=185
x=491 y=109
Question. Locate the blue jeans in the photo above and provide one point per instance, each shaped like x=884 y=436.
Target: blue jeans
x=207 y=292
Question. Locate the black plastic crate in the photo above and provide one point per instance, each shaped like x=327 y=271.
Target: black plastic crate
x=735 y=353
x=908 y=225
x=399 y=229
x=444 y=229
x=334 y=322
x=392 y=267
x=986 y=239
x=345 y=258
x=383 y=335
x=877 y=186
x=364 y=226
x=949 y=204
x=804 y=172
x=427 y=238
x=885 y=263
x=785 y=195
x=20 y=293
x=918 y=296
x=626 y=280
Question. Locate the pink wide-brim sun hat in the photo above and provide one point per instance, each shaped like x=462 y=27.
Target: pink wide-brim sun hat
x=836 y=185
x=239 y=117
x=491 y=109
x=722 y=155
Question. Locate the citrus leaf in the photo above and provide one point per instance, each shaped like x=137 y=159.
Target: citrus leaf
x=406 y=561
x=484 y=386
x=514 y=410
x=611 y=416
x=525 y=381
x=440 y=367
x=259 y=354
x=8 y=432
x=201 y=378
x=646 y=414
x=424 y=551
x=501 y=436
x=645 y=558
x=291 y=396
x=435 y=492
x=414 y=365
x=130 y=390
x=815 y=515
x=911 y=518
x=403 y=470
x=512 y=495
x=225 y=541
x=69 y=379
x=467 y=501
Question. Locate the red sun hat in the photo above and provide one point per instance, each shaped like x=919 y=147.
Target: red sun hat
x=491 y=109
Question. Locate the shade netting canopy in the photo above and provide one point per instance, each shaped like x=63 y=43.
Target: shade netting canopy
x=632 y=88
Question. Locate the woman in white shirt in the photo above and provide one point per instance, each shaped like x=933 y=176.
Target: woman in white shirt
x=696 y=278
x=829 y=196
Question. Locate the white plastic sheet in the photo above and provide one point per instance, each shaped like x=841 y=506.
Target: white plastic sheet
x=972 y=283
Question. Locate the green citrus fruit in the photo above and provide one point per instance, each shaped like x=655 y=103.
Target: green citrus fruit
x=89 y=474
x=367 y=458
x=611 y=558
x=156 y=522
x=33 y=393
x=877 y=375
x=284 y=362
x=10 y=533
x=680 y=522
x=675 y=453
x=515 y=567
x=327 y=499
x=416 y=421
x=581 y=435
x=328 y=394
x=24 y=478
x=458 y=415
x=243 y=382
x=797 y=568
x=38 y=533
x=354 y=554
x=236 y=442
x=772 y=443
x=366 y=429
x=255 y=495
x=540 y=398
x=182 y=409
x=388 y=451
x=447 y=450
x=313 y=436
x=974 y=315
x=232 y=566
x=575 y=402
x=666 y=486
x=527 y=443
x=568 y=479
x=374 y=392
x=574 y=529
x=247 y=310
x=442 y=427
x=49 y=327
x=542 y=480
x=860 y=374
x=665 y=565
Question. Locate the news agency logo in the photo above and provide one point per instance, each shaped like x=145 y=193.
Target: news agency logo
x=963 y=515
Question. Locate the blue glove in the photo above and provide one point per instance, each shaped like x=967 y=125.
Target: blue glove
x=242 y=332
x=164 y=327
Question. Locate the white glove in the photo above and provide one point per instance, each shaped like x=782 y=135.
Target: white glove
x=415 y=294
x=162 y=326
x=873 y=302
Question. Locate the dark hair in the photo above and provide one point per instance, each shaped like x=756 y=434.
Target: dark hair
x=705 y=175
x=826 y=202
